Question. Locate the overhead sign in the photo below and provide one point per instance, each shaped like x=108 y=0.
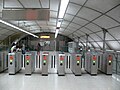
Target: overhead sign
x=45 y=37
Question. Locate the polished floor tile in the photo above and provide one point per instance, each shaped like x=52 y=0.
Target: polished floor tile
x=55 y=82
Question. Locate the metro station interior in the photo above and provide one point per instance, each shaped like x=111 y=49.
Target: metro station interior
x=59 y=45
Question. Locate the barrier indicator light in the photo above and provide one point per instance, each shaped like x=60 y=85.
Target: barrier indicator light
x=61 y=61
x=11 y=60
x=27 y=57
x=94 y=57
x=93 y=61
x=44 y=57
x=110 y=57
x=44 y=61
x=78 y=61
x=27 y=61
x=78 y=58
x=11 y=57
x=110 y=61
x=61 y=57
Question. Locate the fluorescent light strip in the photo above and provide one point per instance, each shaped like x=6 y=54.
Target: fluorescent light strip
x=56 y=33
x=59 y=24
x=63 y=7
x=13 y=26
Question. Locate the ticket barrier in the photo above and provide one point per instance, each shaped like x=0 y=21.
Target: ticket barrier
x=106 y=63
x=91 y=63
x=45 y=57
x=3 y=61
x=76 y=64
x=29 y=64
x=14 y=62
x=61 y=64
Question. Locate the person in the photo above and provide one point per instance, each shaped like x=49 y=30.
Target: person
x=23 y=49
x=13 y=48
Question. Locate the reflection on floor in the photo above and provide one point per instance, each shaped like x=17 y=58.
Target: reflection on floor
x=55 y=82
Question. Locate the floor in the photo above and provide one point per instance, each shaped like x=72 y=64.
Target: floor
x=55 y=82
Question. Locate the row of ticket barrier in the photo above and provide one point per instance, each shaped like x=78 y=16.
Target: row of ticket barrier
x=101 y=62
x=46 y=62
x=56 y=62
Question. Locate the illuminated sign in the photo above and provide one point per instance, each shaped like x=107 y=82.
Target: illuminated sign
x=45 y=37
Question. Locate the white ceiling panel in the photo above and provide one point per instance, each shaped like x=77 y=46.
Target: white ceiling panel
x=80 y=21
x=9 y=33
x=12 y=4
x=115 y=13
x=93 y=27
x=109 y=37
x=3 y=37
x=51 y=23
x=53 y=14
x=65 y=22
x=3 y=31
x=85 y=30
x=52 y=20
x=95 y=44
x=68 y=17
x=73 y=9
x=106 y=22
x=100 y=43
x=73 y=25
x=115 y=32
x=100 y=34
x=88 y=14
x=95 y=37
x=80 y=33
x=72 y=28
x=102 y=5
x=78 y=1
x=54 y=5
x=45 y=3
x=114 y=45
x=30 y=3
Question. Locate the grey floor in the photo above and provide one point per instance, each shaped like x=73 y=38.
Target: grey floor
x=55 y=82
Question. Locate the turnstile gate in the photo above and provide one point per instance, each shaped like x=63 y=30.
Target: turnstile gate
x=61 y=64
x=29 y=63
x=91 y=63
x=45 y=57
x=106 y=63
x=14 y=62
x=3 y=61
x=68 y=63
x=52 y=65
x=76 y=64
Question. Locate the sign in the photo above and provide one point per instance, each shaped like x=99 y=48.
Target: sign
x=94 y=57
x=11 y=57
x=77 y=57
x=110 y=57
x=27 y=57
x=61 y=57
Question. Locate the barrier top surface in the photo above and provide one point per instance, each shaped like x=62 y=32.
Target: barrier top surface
x=11 y=53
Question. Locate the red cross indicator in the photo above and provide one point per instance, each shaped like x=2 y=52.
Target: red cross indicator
x=27 y=57
x=78 y=58
x=94 y=57
x=11 y=57
x=44 y=57
x=110 y=57
x=61 y=57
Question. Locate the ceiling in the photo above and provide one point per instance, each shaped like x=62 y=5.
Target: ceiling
x=82 y=17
